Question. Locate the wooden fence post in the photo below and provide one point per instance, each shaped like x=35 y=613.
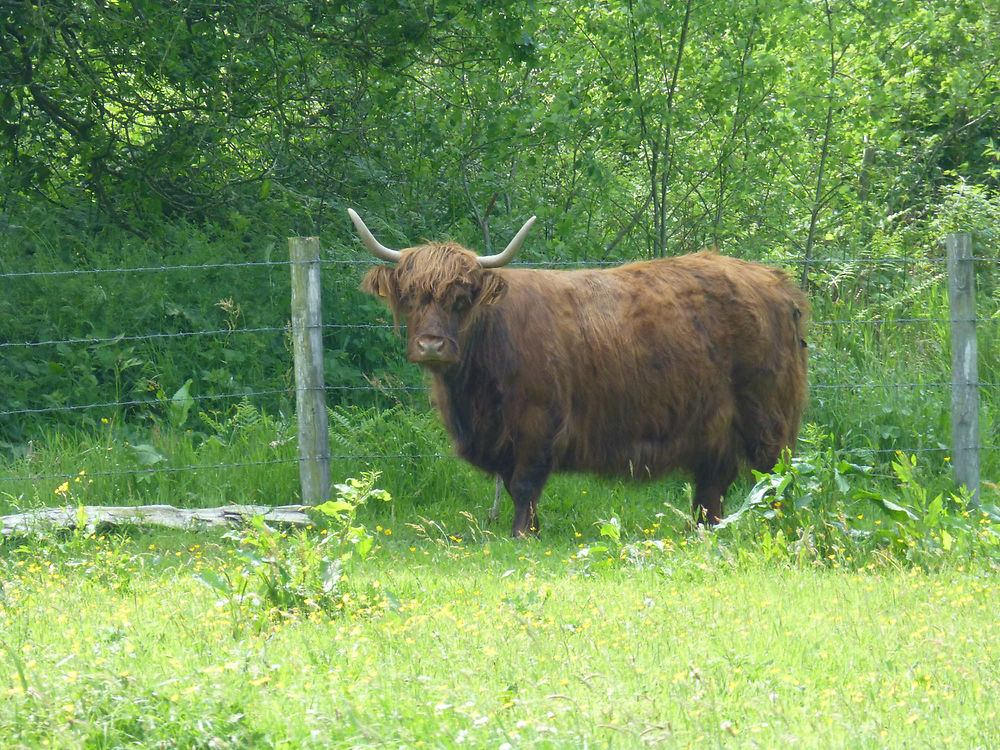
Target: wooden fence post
x=310 y=396
x=964 y=362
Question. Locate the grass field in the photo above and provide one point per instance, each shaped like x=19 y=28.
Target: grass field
x=444 y=639
x=844 y=605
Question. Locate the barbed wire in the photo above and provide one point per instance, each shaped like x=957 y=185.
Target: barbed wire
x=154 y=470
x=95 y=340
x=92 y=340
x=776 y=260
x=150 y=470
x=207 y=397
x=143 y=402
x=386 y=389
x=894 y=321
x=146 y=269
x=782 y=260
x=166 y=401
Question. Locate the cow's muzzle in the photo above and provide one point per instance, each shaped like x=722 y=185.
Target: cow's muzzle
x=428 y=349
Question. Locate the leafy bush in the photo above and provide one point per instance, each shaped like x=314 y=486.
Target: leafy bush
x=813 y=509
x=282 y=575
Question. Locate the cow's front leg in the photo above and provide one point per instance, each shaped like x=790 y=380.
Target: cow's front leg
x=525 y=487
x=707 y=505
x=710 y=486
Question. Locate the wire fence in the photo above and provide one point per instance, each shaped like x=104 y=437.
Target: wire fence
x=903 y=407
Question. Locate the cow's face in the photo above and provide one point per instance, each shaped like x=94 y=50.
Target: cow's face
x=438 y=290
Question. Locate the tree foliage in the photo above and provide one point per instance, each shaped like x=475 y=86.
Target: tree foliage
x=145 y=132
x=634 y=125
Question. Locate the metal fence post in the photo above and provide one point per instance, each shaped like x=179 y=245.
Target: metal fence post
x=964 y=362
x=310 y=396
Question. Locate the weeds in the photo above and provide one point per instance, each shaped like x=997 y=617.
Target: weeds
x=282 y=575
x=820 y=508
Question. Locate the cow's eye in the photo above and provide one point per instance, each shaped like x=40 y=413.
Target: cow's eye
x=462 y=304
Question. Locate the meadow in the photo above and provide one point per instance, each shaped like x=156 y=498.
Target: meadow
x=442 y=640
x=394 y=623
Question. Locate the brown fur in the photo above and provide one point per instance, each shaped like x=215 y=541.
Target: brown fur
x=695 y=363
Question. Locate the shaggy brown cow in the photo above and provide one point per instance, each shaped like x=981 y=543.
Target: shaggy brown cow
x=695 y=363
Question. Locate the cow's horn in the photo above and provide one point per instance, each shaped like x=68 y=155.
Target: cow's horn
x=502 y=259
x=375 y=247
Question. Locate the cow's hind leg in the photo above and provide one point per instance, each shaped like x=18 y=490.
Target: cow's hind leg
x=497 y=496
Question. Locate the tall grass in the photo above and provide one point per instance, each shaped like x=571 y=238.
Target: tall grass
x=455 y=637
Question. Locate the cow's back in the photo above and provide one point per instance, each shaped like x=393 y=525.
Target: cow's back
x=652 y=366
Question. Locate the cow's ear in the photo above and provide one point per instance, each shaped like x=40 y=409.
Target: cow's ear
x=378 y=282
x=492 y=288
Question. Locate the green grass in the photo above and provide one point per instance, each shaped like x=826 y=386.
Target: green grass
x=849 y=605
x=447 y=638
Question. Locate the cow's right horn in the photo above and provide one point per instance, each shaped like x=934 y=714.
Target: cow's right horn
x=375 y=247
x=502 y=259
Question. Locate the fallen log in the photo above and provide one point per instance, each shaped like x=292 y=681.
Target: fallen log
x=90 y=517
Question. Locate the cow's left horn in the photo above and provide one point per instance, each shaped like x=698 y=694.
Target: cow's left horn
x=375 y=247
x=502 y=259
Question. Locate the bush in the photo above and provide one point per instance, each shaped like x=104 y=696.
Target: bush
x=283 y=575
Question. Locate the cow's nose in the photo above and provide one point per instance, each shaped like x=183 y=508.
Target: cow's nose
x=430 y=346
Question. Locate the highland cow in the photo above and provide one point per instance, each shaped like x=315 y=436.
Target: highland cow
x=694 y=363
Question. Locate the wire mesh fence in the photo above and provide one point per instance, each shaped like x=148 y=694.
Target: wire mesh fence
x=879 y=376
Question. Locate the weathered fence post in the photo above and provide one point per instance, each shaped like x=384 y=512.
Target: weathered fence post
x=310 y=396
x=964 y=362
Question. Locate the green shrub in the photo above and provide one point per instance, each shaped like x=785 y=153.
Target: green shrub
x=280 y=573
